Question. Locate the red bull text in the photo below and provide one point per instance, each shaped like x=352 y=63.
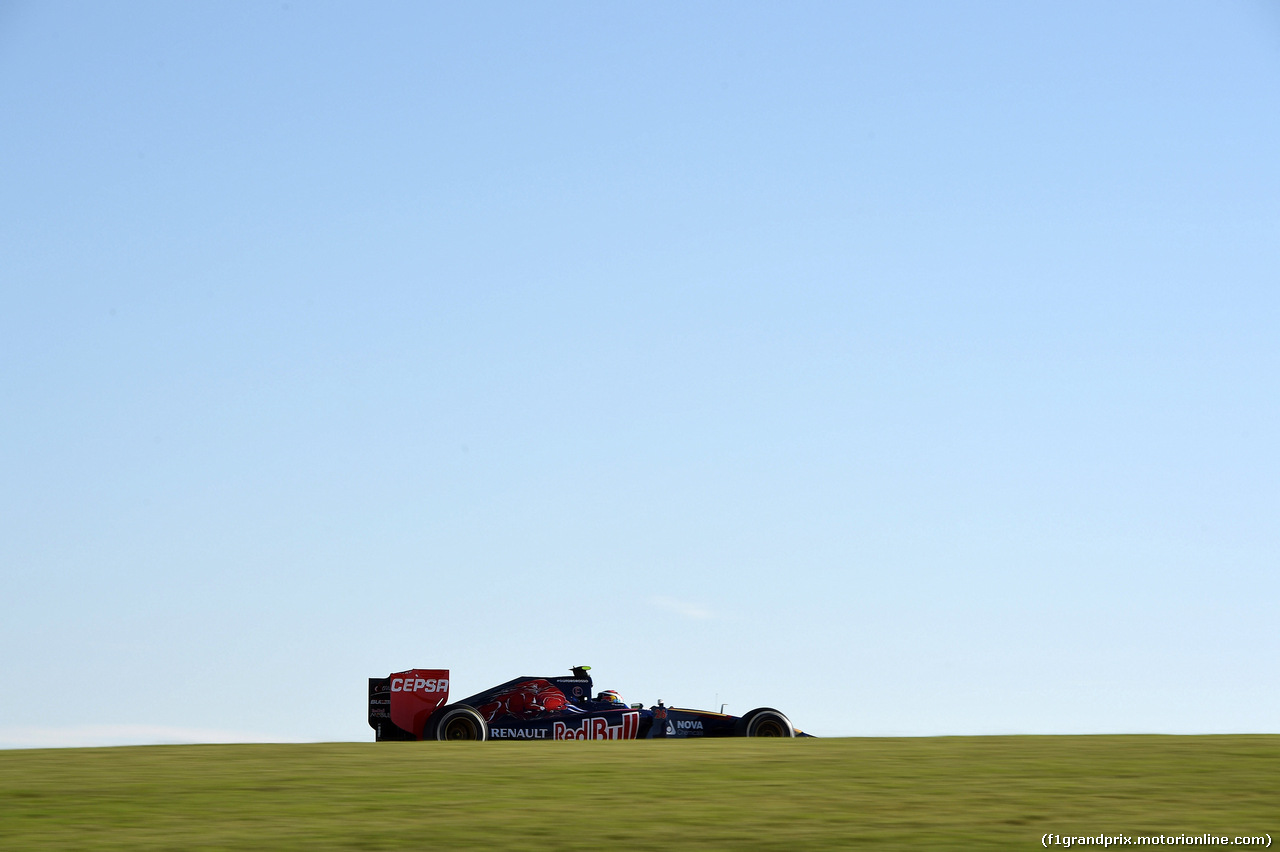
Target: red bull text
x=599 y=729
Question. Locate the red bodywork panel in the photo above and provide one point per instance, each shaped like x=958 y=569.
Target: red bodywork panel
x=415 y=694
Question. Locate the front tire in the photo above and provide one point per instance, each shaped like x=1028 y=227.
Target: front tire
x=765 y=722
x=456 y=722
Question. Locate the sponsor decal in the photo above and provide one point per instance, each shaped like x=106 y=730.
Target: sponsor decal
x=414 y=694
x=598 y=728
x=519 y=733
x=418 y=684
x=689 y=725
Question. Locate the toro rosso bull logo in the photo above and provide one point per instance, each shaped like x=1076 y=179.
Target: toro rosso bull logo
x=525 y=700
x=596 y=728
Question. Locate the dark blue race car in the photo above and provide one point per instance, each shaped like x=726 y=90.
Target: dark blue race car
x=414 y=705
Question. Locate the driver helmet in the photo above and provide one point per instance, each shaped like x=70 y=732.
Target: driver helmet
x=610 y=696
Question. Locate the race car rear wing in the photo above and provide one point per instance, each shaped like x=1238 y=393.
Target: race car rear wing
x=400 y=703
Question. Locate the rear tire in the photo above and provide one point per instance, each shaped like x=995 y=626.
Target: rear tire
x=765 y=722
x=456 y=722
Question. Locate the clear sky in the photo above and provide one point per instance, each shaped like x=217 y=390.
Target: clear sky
x=911 y=367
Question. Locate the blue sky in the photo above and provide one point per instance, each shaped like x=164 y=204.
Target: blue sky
x=910 y=367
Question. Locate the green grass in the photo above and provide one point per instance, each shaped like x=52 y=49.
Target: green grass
x=943 y=793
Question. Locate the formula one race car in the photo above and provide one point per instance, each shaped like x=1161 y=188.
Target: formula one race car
x=414 y=705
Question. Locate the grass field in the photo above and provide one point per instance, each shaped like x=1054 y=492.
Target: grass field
x=939 y=793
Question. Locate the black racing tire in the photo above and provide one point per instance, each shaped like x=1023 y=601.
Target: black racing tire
x=456 y=722
x=765 y=722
